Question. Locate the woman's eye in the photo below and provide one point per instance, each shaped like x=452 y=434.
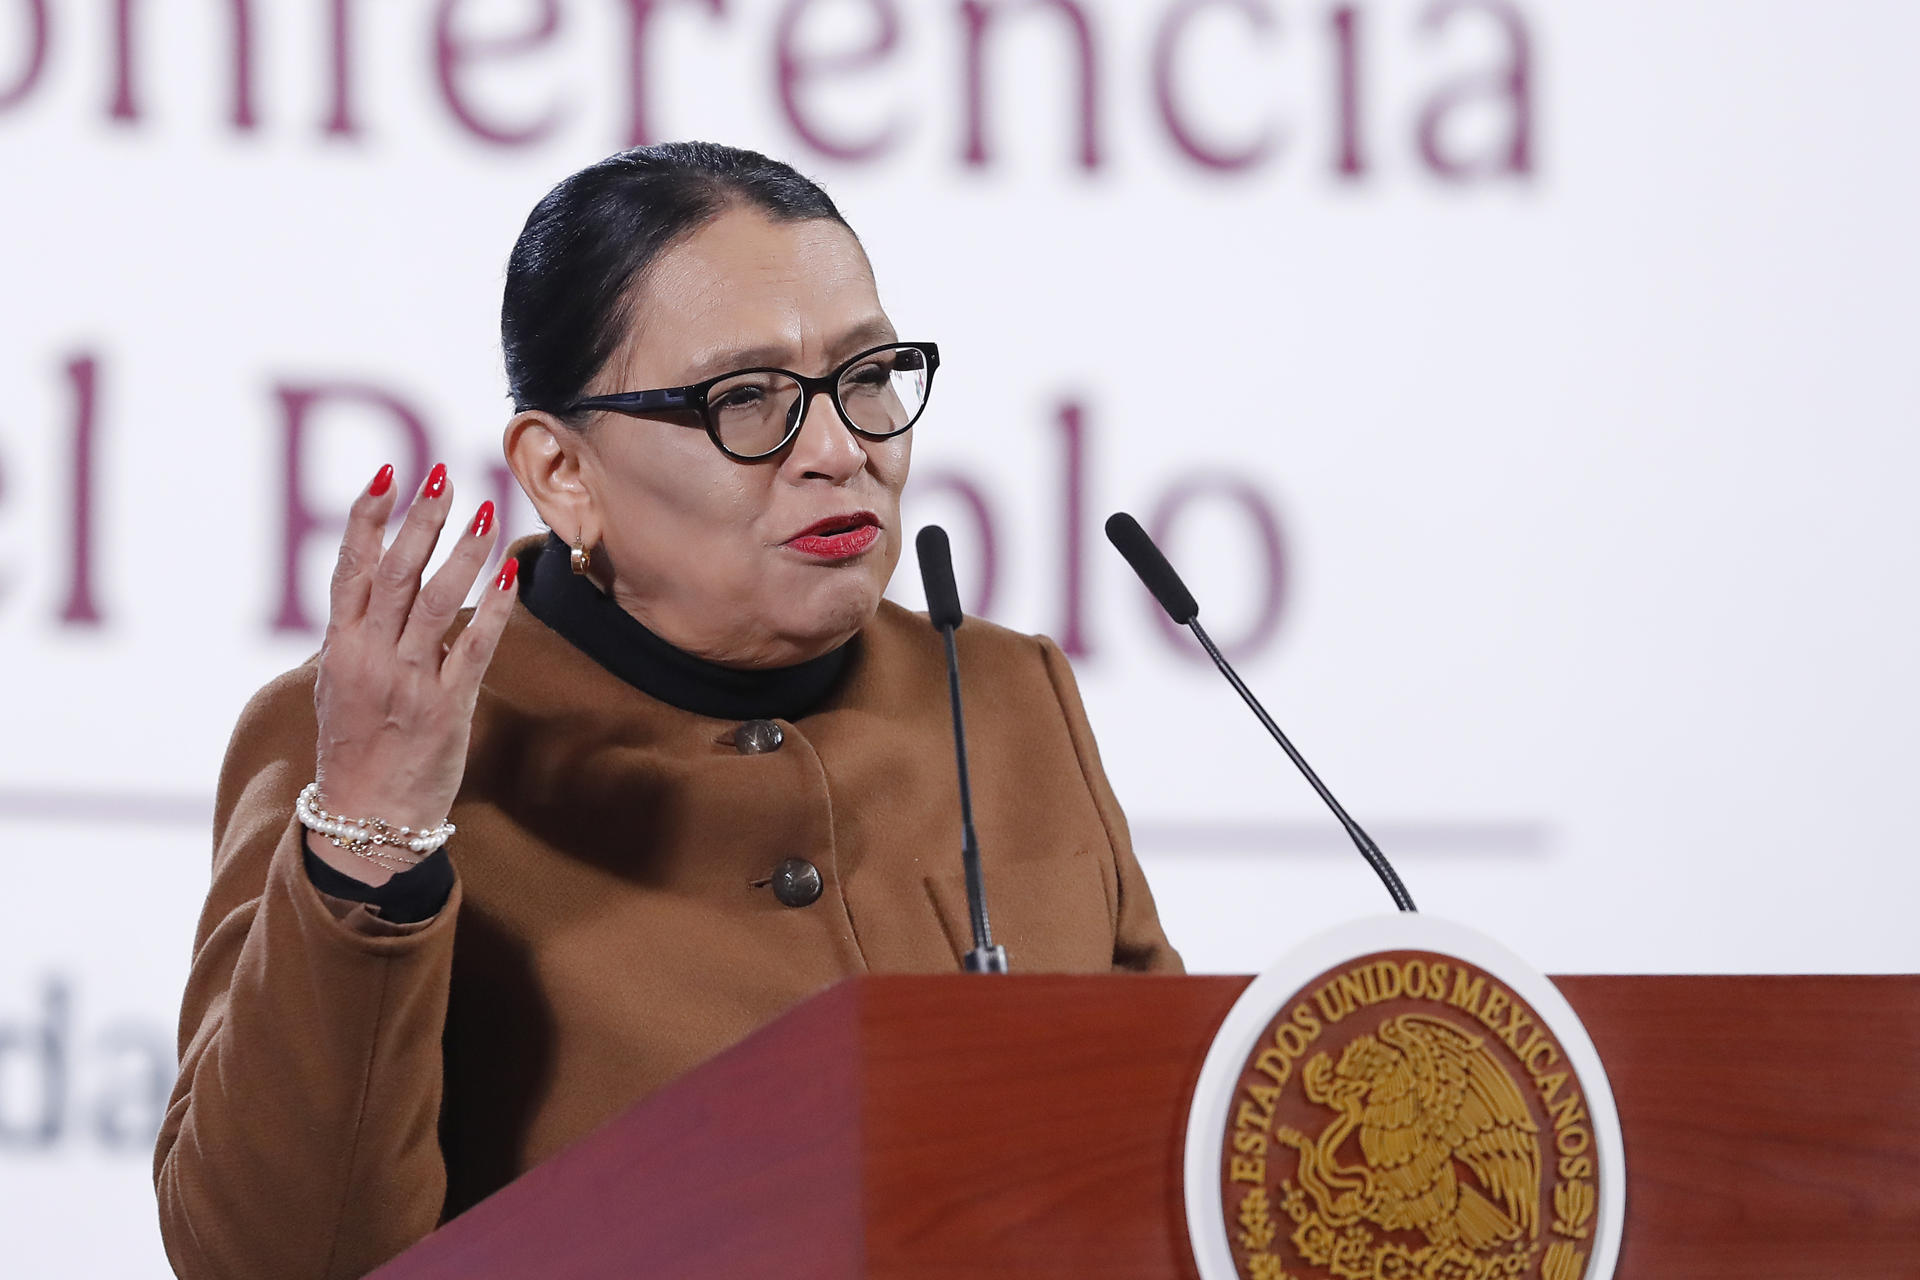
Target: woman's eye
x=739 y=398
x=868 y=377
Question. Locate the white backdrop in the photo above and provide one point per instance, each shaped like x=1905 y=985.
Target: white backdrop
x=1528 y=388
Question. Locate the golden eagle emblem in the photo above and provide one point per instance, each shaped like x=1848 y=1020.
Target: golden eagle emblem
x=1429 y=1101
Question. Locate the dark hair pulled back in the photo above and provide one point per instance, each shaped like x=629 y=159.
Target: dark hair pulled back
x=570 y=278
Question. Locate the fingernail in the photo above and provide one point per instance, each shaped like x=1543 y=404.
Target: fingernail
x=482 y=521
x=436 y=481
x=508 y=572
x=382 y=481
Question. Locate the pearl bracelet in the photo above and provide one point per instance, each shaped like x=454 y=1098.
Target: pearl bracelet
x=361 y=834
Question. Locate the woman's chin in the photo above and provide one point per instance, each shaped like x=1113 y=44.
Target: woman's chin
x=830 y=613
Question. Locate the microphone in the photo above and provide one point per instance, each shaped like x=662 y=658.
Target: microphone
x=1131 y=541
x=943 y=610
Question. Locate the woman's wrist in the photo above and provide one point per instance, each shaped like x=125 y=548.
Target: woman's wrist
x=369 y=848
x=371 y=874
x=397 y=799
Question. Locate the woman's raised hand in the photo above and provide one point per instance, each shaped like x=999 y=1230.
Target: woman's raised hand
x=394 y=699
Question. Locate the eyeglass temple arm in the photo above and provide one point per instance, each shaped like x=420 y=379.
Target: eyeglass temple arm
x=670 y=398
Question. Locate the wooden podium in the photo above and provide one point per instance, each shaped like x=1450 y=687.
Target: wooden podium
x=1005 y=1128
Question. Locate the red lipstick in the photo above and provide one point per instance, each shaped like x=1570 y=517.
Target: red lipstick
x=839 y=537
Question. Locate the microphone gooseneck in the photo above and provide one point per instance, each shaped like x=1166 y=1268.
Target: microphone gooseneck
x=1132 y=542
x=943 y=610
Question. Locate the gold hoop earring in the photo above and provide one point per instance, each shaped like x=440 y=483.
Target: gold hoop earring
x=579 y=558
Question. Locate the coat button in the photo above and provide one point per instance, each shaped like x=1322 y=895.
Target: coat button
x=756 y=737
x=796 y=882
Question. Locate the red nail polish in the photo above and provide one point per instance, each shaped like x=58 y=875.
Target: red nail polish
x=382 y=481
x=508 y=572
x=482 y=521
x=436 y=481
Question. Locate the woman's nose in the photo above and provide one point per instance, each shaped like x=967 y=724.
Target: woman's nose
x=826 y=446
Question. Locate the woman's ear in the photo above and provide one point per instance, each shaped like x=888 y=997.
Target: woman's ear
x=548 y=458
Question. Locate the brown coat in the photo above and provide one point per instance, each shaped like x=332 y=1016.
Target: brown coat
x=347 y=1084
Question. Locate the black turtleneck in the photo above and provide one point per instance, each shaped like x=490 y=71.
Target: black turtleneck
x=614 y=638
x=576 y=609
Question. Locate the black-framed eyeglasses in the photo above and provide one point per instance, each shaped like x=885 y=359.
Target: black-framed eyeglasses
x=755 y=413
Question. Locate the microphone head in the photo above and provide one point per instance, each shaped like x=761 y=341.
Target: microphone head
x=936 y=575
x=1131 y=541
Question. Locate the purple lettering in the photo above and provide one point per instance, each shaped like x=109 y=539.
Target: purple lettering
x=1270 y=580
x=80 y=609
x=36 y=56
x=341 y=123
x=302 y=521
x=1166 y=50
x=125 y=105
x=1346 y=36
x=243 y=117
x=453 y=53
x=1511 y=84
x=978 y=16
x=1073 y=638
x=3 y=502
x=794 y=69
x=639 y=129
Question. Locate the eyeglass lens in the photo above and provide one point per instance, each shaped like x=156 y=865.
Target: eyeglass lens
x=881 y=395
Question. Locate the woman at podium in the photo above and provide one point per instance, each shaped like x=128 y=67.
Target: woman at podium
x=483 y=878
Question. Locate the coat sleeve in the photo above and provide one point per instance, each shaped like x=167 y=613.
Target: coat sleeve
x=1139 y=944
x=301 y=1138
